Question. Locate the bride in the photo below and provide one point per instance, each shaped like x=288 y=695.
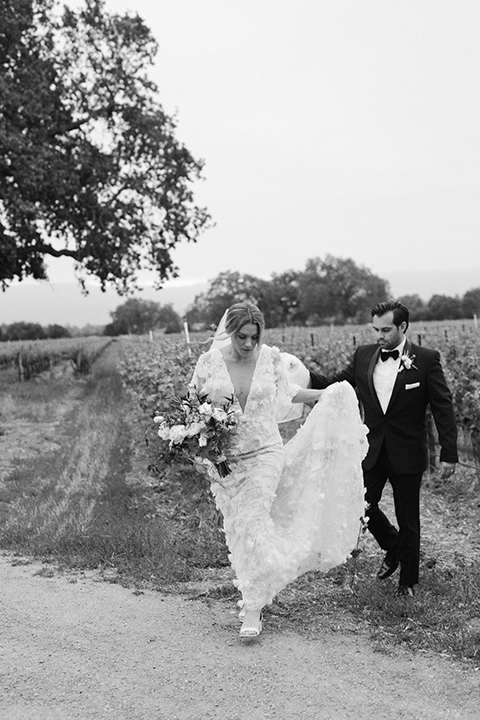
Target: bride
x=287 y=509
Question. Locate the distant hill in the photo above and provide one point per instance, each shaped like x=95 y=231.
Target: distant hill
x=64 y=304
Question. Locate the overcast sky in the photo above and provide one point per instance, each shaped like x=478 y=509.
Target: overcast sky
x=348 y=127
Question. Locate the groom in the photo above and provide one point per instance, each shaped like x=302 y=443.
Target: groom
x=395 y=382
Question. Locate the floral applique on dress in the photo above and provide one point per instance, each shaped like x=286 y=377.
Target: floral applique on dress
x=293 y=508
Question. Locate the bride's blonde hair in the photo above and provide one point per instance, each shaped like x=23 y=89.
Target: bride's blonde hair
x=244 y=313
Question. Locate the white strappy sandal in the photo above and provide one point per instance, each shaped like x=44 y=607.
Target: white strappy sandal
x=241 y=613
x=251 y=631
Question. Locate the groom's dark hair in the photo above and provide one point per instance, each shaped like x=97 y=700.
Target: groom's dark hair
x=400 y=311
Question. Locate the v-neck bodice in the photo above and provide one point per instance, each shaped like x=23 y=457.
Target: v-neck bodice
x=252 y=379
x=269 y=393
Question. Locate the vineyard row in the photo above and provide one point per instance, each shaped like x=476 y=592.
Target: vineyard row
x=37 y=356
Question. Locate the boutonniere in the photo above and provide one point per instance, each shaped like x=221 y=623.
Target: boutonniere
x=406 y=362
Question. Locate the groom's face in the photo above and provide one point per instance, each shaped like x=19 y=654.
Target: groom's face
x=387 y=333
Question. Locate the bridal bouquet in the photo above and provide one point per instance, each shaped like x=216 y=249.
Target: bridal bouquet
x=199 y=431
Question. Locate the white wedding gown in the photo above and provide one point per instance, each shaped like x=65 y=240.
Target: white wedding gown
x=287 y=508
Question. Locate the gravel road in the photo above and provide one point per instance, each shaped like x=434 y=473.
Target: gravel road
x=75 y=647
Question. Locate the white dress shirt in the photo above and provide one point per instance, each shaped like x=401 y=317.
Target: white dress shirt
x=384 y=376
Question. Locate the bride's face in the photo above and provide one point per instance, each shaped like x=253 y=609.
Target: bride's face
x=245 y=340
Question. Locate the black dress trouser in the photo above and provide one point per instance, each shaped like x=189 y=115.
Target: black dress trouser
x=406 y=496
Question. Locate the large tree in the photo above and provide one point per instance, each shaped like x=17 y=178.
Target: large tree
x=283 y=299
x=23 y=331
x=137 y=317
x=225 y=290
x=328 y=290
x=339 y=290
x=416 y=306
x=89 y=164
x=471 y=303
x=444 y=307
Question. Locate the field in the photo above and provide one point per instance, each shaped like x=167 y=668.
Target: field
x=35 y=356
x=75 y=489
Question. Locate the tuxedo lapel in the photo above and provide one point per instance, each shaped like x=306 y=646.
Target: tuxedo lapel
x=371 y=387
x=407 y=348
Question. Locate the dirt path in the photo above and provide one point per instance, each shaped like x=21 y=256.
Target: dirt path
x=75 y=648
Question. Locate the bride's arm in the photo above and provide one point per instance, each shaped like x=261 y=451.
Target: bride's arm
x=306 y=395
x=289 y=368
x=200 y=373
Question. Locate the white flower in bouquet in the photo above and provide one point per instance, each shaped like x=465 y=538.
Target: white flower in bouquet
x=219 y=414
x=164 y=432
x=206 y=409
x=178 y=434
x=194 y=428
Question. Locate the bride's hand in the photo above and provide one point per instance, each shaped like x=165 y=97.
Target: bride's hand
x=306 y=395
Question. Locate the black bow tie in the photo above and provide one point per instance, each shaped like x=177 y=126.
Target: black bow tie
x=389 y=353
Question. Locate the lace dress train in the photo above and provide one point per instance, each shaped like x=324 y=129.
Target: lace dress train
x=287 y=508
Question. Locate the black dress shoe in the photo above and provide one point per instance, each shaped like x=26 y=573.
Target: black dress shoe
x=389 y=565
x=405 y=591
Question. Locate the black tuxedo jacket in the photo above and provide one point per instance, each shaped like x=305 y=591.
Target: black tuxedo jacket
x=403 y=426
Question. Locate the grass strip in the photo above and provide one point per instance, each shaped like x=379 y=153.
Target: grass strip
x=77 y=505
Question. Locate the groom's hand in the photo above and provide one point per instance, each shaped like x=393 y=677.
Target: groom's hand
x=447 y=470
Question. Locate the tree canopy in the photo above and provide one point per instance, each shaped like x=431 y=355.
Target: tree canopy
x=445 y=307
x=328 y=290
x=225 y=290
x=338 y=290
x=138 y=317
x=471 y=303
x=89 y=164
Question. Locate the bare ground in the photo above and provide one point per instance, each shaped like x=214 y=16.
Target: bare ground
x=75 y=647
